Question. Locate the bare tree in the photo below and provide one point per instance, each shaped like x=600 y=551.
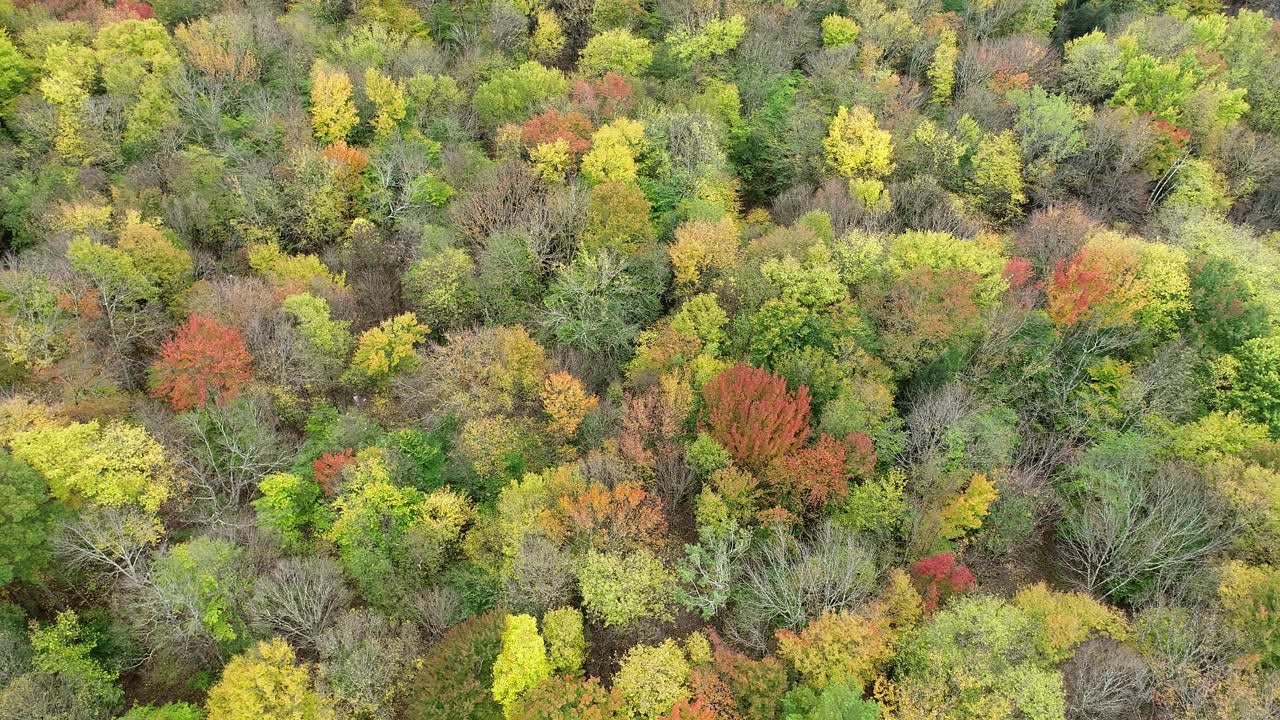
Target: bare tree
x=116 y=543
x=791 y=579
x=1133 y=526
x=299 y=598
x=1105 y=680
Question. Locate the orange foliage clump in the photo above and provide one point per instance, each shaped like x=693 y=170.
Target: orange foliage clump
x=627 y=516
x=552 y=125
x=566 y=403
x=328 y=469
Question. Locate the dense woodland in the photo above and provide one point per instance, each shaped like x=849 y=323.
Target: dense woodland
x=639 y=360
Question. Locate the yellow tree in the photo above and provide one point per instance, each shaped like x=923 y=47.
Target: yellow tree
x=333 y=114
x=389 y=98
x=856 y=146
x=266 y=683
x=69 y=71
x=858 y=149
x=942 y=71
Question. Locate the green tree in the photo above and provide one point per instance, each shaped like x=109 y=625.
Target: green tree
x=387 y=349
x=288 y=506
x=1254 y=372
x=616 y=51
x=27 y=516
x=516 y=93
x=597 y=306
x=651 y=679
x=995 y=183
x=942 y=68
x=204 y=584
x=619 y=589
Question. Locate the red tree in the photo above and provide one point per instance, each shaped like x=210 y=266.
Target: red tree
x=328 y=469
x=604 y=98
x=1077 y=286
x=685 y=710
x=812 y=476
x=205 y=360
x=552 y=125
x=751 y=414
x=939 y=577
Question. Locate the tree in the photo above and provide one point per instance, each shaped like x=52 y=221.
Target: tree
x=365 y=663
x=522 y=663
x=620 y=589
x=16 y=70
x=751 y=413
x=266 y=683
x=612 y=157
x=387 y=349
x=856 y=146
x=1255 y=381
x=996 y=182
x=568 y=698
x=197 y=597
x=942 y=69
x=204 y=361
x=597 y=305
x=298 y=599
x=28 y=517
x=566 y=402
x=390 y=99
x=64 y=673
x=455 y=678
x=112 y=466
x=839 y=31
x=939 y=577
x=972 y=660
x=566 y=645
x=615 y=51
x=333 y=114
x=652 y=679
x=511 y=95
x=618 y=219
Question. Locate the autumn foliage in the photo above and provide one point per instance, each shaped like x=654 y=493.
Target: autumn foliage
x=1078 y=285
x=626 y=516
x=205 y=361
x=813 y=476
x=939 y=577
x=328 y=469
x=552 y=125
x=751 y=413
x=686 y=710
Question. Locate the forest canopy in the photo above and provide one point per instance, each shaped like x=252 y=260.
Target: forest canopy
x=639 y=360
